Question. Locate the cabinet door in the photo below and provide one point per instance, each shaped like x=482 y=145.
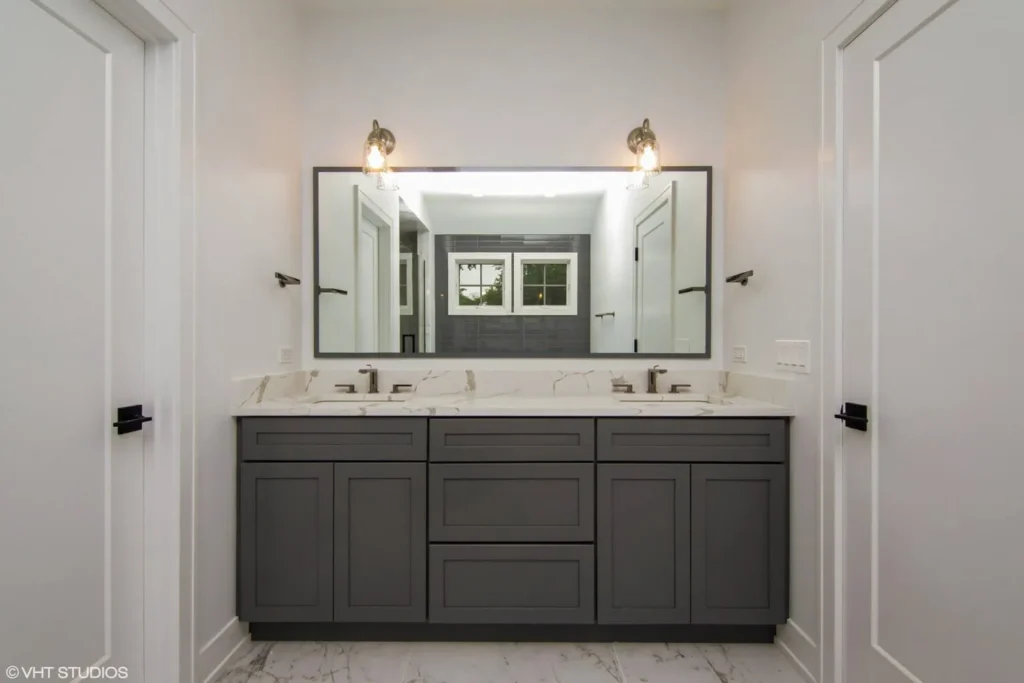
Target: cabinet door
x=643 y=544
x=285 y=534
x=380 y=542
x=740 y=544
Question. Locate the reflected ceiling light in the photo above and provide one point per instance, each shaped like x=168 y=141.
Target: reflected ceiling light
x=637 y=181
x=643 y=143
x=379 y=144
x=387 y=181
x=550 y=195
x=478 y=194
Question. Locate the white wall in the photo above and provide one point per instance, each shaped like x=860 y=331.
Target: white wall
x=612 y=263
x=455 y=215
x=247 y=193
x=531 y=87
x=774 y=228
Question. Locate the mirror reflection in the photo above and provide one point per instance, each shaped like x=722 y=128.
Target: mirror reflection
x=512 y=263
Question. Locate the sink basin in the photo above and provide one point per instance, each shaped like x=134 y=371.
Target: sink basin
x=662 y=398
x=358 y=398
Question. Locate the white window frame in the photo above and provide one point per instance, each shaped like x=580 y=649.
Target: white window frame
x=500 y=258
x=405 y=259
x=570 y=259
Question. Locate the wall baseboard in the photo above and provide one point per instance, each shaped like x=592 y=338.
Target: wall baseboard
x=801 y=669
x=220 y=649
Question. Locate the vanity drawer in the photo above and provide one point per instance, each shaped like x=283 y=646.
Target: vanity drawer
x=511 y=439
x=512 y=584
x=512 y=503
x=691 y=440
x=333 y=438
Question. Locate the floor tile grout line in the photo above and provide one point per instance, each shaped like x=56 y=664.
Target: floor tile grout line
x=618 y=663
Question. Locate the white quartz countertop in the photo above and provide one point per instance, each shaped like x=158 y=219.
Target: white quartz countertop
x=468 y=405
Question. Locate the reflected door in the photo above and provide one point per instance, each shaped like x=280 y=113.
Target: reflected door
x=654 y=278
x=71 y=293
x=367 y=301
x=932 y=321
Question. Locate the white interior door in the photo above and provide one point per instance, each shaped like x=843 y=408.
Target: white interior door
x=367 y=293
x=932 y=96
x=654 y=278
x=71 y=287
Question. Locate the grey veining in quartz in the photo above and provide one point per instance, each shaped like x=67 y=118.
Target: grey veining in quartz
x=497 y=393
x=508 y=663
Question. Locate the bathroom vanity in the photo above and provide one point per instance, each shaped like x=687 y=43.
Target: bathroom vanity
x=532 y=524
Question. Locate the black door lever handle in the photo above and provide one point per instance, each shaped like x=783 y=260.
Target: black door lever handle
x=855 y=416
x=130 y=419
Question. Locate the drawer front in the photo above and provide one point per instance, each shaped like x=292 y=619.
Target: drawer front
x=511 y=440
x=692 y=440
x=512 y=503
x=512 y=584
x=333 y=438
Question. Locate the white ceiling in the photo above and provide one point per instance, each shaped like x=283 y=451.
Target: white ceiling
x=631 y=5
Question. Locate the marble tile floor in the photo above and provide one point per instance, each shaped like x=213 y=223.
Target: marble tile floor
x=366 y=662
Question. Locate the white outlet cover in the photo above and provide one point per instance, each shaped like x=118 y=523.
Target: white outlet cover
x=739 y=354
x=285 y=356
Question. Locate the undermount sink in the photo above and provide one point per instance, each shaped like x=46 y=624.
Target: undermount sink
x=358 y=398
x=663 y=398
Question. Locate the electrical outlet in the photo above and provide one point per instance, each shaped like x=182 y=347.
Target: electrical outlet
x=739 y=354
x=285 y=355
x=793 y=356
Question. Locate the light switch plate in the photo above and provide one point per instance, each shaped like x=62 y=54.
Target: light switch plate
x=285 y=355
x=739 y=354
x=792 y=355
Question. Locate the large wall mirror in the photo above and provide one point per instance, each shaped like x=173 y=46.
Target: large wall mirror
x=513 y=263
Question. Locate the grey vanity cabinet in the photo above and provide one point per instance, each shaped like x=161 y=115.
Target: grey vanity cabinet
x=380 y=542
x=643 y=544
x=740 y=549
x=286 y=523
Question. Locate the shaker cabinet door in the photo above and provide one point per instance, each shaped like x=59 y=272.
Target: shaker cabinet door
x=380 y=542
x=285 y=538
x=643 y=544
x=740 y=547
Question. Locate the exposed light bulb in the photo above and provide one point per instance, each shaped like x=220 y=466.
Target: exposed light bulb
x=374 y=158
x=649 y=158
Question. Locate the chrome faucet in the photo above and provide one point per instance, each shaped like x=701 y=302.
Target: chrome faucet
x=652 y=379
x=374 y=388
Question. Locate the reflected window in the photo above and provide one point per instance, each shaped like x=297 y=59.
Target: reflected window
x=477 y=284
x=547 y=284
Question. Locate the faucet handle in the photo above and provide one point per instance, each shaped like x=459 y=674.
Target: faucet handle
x=351 y=388
x=397 y=388
x=622 y=388
x=675 y=389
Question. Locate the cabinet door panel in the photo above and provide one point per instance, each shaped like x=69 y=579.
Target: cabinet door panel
x=740 y=544
x=512 y=584
x=643 y=544
x=285 y=535
x=654 y=439
x=512 y=503
x=380 y=542
x=512 y=439
x=333 y=438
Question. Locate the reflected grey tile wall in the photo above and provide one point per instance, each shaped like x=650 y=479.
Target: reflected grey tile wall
x=519 y=333
x=409 y=324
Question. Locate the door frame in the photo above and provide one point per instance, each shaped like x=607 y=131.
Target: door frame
x=169 y=233
x=665 y=196
x=387 y=269
x=833 y=504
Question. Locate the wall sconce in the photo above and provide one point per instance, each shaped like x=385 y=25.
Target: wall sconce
x=643 y=143
x=379 y=144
